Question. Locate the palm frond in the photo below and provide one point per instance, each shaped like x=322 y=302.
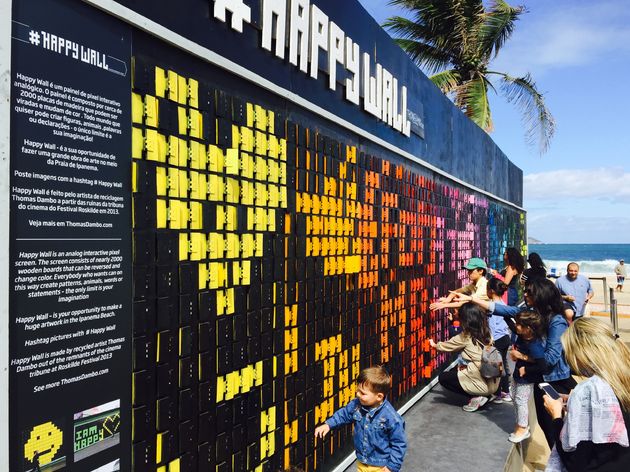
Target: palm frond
x=468 y=17
x=498 y=27
x=441 y=23
x=447 y=81
x=472 y=98
x=427 y=57
x=539 y=123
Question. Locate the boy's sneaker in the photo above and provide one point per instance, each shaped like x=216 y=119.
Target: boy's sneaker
x=475 y=403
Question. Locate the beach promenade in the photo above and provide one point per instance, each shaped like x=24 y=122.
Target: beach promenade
x=443 y=437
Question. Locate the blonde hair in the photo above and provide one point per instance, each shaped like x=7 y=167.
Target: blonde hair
x=376 y=379
x=591 y=348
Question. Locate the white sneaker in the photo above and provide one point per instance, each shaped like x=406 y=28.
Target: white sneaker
x=496 y=399
x=520 y=438
x=475 y=403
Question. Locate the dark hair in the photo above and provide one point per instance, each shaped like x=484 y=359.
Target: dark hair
x=546 y=298
x=515 y=259
x=497 y=286
x=533 y=320
x=535 y=261
x=474 y=322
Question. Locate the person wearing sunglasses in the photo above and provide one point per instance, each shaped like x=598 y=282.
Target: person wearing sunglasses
x=543 y=296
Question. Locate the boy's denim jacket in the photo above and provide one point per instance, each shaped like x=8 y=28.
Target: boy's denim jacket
x=557 y=367
x=379 y=433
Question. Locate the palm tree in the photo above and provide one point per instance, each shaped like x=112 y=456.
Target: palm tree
x=456 y=40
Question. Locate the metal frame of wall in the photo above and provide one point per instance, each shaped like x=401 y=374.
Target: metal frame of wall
x=5 y=114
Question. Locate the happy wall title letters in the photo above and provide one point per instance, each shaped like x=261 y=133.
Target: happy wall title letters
x=307 y=30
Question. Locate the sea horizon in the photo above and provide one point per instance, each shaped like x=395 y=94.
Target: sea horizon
x=593 y=258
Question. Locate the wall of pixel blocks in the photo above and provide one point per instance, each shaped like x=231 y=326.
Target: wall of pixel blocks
x=271 y=264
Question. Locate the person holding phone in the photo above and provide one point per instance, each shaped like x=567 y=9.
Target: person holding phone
x=542 y=295
x=593 y=436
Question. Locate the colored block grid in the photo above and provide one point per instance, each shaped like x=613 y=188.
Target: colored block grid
x=271 y=263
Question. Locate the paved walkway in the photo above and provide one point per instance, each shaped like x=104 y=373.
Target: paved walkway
x=442 y=437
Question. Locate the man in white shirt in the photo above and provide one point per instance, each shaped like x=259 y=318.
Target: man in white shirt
x=620 y=272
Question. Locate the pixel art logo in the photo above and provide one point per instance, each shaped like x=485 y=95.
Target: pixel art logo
x=43 y=443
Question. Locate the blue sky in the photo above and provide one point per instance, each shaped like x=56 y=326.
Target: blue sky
x=578 y=52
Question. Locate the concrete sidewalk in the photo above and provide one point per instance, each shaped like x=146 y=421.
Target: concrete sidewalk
x=442 y=437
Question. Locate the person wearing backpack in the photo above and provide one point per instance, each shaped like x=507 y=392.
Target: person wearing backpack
x=467 y=379
x=530 y=366
x=543 y=296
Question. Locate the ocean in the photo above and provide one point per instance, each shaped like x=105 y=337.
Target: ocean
x=594 y=259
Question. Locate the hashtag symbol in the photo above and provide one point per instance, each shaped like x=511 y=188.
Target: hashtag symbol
x=33 y=36
x=241 y=13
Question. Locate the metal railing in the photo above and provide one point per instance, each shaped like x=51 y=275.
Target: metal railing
x=607 y=297
x=614 y=316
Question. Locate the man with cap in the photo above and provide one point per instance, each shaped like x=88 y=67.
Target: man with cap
x=620 y=272
x=477 y=270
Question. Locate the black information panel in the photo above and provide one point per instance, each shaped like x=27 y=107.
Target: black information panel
x=70 y=292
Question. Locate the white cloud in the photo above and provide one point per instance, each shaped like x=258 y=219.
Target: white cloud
x=611 y=184
x=565 y=33
x=579 y=229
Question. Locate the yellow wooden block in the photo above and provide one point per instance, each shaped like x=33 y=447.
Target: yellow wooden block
x=182 y=121
x=150 y=111
x=216 y=188
x=271 y=122
x=195 y=123
x=193 y=93
x=174 y=465
x=161 y=214
x=221 y=388
x=137 y=108
x=203 y=278
x=250 y=115
x=173 y=182
x=182 y=90
x=247 y=165
x=260 y=141
x=172 y=86
x=260 y=116
x=183 y=247
x=161 y=181
x=137 y=143
x=246 y=139
x=161 y=84
x=232 y=164
x=216 y=159
x=197 y=155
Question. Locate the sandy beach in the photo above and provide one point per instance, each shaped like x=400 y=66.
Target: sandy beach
x=623 y=298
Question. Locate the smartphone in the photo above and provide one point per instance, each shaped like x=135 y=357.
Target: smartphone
x=549 y=390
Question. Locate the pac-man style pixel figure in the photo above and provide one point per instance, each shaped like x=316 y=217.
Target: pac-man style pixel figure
x=43 y=443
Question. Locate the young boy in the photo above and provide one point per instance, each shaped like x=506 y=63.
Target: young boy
x=379 y=431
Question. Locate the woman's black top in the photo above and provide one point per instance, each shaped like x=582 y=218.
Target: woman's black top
x=588 y=456
x=534 y=273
